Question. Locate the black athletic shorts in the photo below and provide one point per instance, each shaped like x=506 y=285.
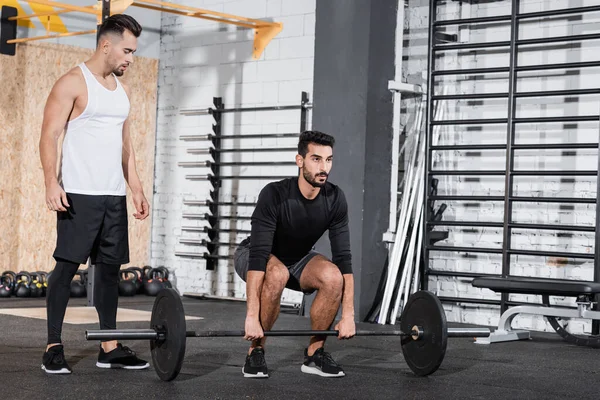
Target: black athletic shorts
x=94 y=226
x=241 y=261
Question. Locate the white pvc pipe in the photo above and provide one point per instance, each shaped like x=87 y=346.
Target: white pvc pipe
x=409 y=261
x=393 y=265
x=406 y=209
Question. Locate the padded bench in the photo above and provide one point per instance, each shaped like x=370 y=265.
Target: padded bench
x=583 y=290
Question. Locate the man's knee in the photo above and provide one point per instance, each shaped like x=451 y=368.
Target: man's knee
x=328 y=276
x=276 y=277
x=332 y=278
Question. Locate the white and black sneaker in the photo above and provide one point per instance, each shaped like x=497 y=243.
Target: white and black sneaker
x=321 y=363
x=256 y=366
x=121 y=357
x=53 y=361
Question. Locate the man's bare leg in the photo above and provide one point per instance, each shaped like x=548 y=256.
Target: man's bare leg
x=276 y=277
x=324 y=276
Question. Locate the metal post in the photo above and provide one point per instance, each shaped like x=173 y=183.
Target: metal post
x=211 y=263
x=105 y=15
x=596 y=323
x=510 y=138
x=428 y=134
x=303 y=111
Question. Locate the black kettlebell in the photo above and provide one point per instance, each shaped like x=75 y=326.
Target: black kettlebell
x=166 y=281
x=44 y=276
x=37 y=287
x=127 y=283
x=154 y=284
x=7 y=283
x=139 y=276
x=23 y=286
x=78 y=288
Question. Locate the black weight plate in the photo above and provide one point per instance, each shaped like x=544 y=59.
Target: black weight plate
x=168 y=354
x=425 y=355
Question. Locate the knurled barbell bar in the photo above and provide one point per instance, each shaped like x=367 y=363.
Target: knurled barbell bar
x=423 y=331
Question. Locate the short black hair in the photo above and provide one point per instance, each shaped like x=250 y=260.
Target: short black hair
x=314 y=137
x=118 y=24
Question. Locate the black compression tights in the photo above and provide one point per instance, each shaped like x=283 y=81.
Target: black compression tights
x=106 y=297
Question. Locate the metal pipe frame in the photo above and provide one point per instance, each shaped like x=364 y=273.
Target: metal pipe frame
x=214 y=218
x=218 y=203
x=207 y=229
x=197 y=164
x=209 y=136
x=240 y=150
x=207 y=111
x=214 y=178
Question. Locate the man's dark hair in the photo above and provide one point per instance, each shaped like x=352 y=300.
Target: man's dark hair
x=118 y=24
x=314 y=137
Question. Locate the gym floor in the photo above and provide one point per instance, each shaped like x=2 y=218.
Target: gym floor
x=544 y=368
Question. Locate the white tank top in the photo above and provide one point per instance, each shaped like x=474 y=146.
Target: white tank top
x=92 y=150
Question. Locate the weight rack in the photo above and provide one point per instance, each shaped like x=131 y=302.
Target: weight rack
x=215 y=177
x=511 y=121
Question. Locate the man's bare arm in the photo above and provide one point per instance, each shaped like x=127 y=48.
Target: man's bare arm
x=58 y=107
x=129 y=164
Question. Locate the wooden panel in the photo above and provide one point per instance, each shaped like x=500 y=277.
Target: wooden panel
x=28 y=228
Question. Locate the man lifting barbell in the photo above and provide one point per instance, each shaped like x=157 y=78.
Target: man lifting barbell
x=290 y=216
x=92 y=107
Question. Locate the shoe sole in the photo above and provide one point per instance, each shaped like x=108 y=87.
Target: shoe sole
x=316 y=371
x=121 y=366
x=62 y=371
x=259 y=375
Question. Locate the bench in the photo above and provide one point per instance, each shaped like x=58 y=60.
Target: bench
x=584 y=291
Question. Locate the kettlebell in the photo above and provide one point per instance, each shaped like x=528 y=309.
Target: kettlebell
x=139 y=279
x=166 y=282
x=44 y=276
x=154 y=283
x=23 y=287
x=7 y=283
x=127 y=285
x=36 y=285
x=78 y=288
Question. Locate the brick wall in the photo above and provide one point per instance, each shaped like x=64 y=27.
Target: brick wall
x=200 y=60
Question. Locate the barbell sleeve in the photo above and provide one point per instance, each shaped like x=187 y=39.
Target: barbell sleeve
x=122 y=334
x=468 y=332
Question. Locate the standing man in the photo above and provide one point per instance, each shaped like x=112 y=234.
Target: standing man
x=290 y=216
x=92 y=107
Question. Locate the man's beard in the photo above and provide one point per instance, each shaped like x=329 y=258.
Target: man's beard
x=313 y=180
x=118 y=71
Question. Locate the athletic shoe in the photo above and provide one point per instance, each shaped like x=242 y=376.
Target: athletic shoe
x=256 y=366
x=54 y=361
x=121 y=357
x=321 y=363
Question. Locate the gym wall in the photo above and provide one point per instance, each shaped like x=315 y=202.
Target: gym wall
x=27 y=78
x=581 y=242
x=200 y=60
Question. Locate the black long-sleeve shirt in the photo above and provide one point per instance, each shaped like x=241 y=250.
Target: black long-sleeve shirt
x=287 y=224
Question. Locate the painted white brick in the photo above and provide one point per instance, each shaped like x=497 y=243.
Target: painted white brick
x=272 y=50
x=273 y=8
x=293 y=26
x=294 y=7
x=297 y=47
x=279 y=70
x=200 y=60
x=245 y=8
x=309 y=24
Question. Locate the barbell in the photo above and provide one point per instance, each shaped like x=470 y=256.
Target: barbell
x=423 y=332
